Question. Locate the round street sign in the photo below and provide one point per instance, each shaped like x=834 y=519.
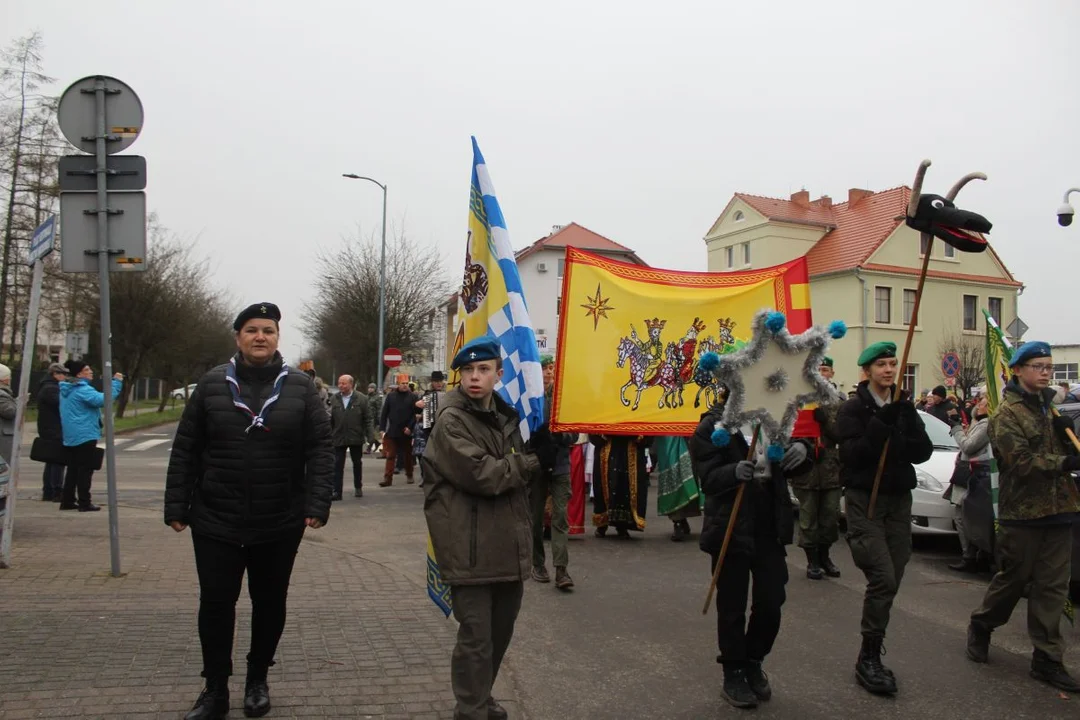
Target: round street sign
x=77 y=114
x=392 y=357
x=950 y=364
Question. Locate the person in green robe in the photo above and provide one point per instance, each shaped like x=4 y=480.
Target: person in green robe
x=678 y=494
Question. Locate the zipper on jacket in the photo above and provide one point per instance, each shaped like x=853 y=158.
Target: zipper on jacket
x=473 y=529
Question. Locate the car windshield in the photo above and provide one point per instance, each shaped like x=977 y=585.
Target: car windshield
x=938 y=432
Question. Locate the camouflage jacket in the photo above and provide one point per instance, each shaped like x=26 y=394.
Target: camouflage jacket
x=1030 y=455
x=825 y=473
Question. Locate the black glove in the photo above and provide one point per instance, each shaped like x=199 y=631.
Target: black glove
x=889 y=414
x=744 y=471
x=954 y=419
x=1071 y=464
x=1061 y=424
x=820 y=416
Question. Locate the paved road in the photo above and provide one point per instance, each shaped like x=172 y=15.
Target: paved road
x=629 y=642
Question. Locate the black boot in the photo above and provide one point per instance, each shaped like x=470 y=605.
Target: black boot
x=256 y=693
x=678 y=534
x=826 y=562
x=758 y=681
x=869 y=671
x=978 y=642
x=736 y=689
x=966 y=565
x=213 y=702
x=1053 y=673
x=813 y=570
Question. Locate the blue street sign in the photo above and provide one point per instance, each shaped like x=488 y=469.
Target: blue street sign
x=44 y=239
x=950 y=364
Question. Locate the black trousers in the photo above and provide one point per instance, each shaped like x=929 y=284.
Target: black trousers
x=79 y=476
x=52 y=482
x=357 y=452
x=739 y=641
x=221 y=567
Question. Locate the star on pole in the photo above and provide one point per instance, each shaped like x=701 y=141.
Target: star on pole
x=597 y=307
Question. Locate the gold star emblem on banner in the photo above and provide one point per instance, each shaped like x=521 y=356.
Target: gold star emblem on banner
x=597 y=307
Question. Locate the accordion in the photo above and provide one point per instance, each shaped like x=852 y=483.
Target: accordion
x=431 y=406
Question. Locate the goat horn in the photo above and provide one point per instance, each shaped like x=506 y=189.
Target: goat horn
x=964 y=181
x=916 y=188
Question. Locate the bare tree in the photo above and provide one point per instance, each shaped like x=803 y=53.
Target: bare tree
x=971 y=351
x=20 y=77
x=343 y=318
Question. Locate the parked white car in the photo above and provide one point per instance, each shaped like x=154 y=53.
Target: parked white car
x=183 y=393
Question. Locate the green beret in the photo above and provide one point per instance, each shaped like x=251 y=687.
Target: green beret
x=546 y=360
x=876 y=351
x=826 y=361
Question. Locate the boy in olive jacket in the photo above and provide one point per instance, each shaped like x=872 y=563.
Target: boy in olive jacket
x=477 y=509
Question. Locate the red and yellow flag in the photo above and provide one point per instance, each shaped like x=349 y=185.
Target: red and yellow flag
x=630 y=338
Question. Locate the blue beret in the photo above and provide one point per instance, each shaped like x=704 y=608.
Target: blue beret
x=1030 y=351
x=484 y=347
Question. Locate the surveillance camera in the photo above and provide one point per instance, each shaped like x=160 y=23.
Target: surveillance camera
x=1065 y=215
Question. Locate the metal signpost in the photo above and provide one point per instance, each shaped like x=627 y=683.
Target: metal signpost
x=104 y=223
x=40 y=246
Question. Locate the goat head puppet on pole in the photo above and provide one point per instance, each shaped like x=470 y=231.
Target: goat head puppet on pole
x=768 y=381
x=934 y=217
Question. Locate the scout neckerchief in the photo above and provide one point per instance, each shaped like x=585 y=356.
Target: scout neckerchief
x=257 y=421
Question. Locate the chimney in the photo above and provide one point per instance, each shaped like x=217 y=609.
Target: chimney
x=801 y=198
x=854 y=195
x=824 y=201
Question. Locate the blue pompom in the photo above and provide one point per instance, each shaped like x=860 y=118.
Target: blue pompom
x=837 y=329
x=775 y=322
x=775 y=453
x=709 y=361
x=721 y=437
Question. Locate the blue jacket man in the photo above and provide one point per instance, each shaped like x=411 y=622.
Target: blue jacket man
x=80 y=416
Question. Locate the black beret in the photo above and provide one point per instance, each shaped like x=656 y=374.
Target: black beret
x=74 y=367
x=268 y=311
x=437 y=376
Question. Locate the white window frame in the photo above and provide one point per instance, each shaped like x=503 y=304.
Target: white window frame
x=908 y=292
x=912 y=371
x=746 y=254
x=730 y=251
x=974 y=312
x=888 y=309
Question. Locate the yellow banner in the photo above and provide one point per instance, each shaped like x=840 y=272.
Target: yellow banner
x=630 y=338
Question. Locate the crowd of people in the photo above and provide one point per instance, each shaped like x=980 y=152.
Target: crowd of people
x=260 y=453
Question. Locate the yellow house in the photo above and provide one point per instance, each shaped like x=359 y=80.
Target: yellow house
x=864 y=264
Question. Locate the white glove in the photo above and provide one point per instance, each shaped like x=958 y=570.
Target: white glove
x=744 y=471
x=794 y=456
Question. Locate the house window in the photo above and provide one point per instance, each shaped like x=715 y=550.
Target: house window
x=909 y=305
x=950 y=251
x=882 y=304
x=911 y=376
x=1066 y=371
x=924 y=243
x=739 y=217
x=995 y=309
x=561 y=266
x=970 y=301
x=731 y=257
x=746 y=253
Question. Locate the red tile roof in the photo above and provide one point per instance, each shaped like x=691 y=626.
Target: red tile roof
x=943 y=275
x=574 y=235
x=853 y=231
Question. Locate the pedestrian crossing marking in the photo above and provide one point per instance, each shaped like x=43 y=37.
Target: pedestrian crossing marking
x=146 y=444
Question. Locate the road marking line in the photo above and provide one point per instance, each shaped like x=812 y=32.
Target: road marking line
x=146 y=445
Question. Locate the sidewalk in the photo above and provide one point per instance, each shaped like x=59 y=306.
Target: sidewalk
x=362 y=638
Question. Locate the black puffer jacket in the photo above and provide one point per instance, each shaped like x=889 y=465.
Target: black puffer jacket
x=765 y=514
x=48 y=402
x=249 y=487
x=864 y=427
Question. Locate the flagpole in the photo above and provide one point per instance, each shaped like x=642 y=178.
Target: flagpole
x=913 y=204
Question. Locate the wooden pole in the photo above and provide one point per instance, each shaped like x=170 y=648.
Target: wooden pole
x=730 y=527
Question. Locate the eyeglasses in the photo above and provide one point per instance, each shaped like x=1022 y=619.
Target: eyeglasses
x=1041 y=368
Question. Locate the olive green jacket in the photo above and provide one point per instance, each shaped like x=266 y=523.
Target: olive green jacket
x=825 y=472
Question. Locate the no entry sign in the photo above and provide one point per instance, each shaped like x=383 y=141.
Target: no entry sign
x=392 y=357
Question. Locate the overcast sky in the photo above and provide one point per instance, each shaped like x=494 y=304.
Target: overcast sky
x=637 y=120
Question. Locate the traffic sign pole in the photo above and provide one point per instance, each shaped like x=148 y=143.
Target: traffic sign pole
x=106 y=320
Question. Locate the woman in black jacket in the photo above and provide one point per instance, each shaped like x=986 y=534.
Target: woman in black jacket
x=880 y=546
x=765 y=524
x=251 y=467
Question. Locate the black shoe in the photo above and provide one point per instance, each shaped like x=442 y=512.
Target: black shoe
x=213 y=702
x=813 y=570
x=256 y=697
x=978 y=642
x=358 y=492
x=737 y=690
x=496 y=711
x=1053 y=673
x=601 y=531
x=679 y=533
x=869 y=671
x=88 y=507
x=966 y=565
x=826 y=562
x=758 y=681
x=623 y=534
x=335 y=497
x=65 y=506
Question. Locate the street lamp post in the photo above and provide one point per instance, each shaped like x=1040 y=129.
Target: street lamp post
x=382 y=281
